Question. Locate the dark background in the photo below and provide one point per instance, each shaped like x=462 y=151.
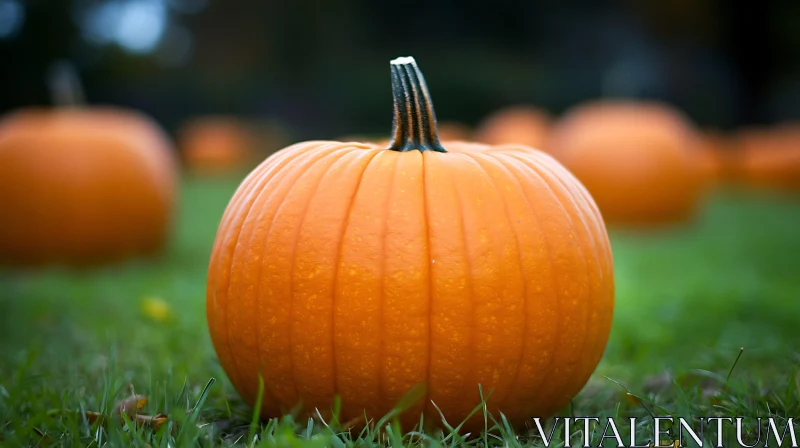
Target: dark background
x=322 y=67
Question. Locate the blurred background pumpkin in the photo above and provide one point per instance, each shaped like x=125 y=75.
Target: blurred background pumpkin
x=635 y=158
x=216 y=144
x=225 y=144
x=769 y=157
x=83 y=184
x=524 y=125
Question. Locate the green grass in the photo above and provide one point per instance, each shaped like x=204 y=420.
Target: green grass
x=688 y=298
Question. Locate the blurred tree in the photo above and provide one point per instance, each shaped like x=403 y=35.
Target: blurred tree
x=323 y=66
x=750 y=45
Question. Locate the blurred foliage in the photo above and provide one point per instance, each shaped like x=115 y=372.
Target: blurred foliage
x=322 y=67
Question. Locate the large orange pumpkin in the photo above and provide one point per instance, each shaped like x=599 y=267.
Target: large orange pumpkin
x=636 y=159
x=361 y=271
x=769 y=157
x=216 y=144
x=523 y=125
x=83 y=185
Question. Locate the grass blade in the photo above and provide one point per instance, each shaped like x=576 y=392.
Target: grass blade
x=256 y=411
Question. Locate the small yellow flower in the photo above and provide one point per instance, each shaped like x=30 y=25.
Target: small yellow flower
x=156 y=309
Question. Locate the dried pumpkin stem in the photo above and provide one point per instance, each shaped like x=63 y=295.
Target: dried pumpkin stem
x=65 y=85
x=414 y=124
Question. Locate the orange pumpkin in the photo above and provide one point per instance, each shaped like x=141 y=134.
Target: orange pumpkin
x=216 y=144
x=83 y=185
x=769 y=157
x=635 y=158
x=524 y=125
x=362 y=271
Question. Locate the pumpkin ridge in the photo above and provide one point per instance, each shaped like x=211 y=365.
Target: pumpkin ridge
x=587 y=203
x=295 y=241
x=545 y=176
x=231 y=215
x=273 y=171
x=427 y=403
x=498 y=156
x=578 y=191
x=574 y=194
x=486 y=157
x=548 y=245
x=555 y=185
x=249 y=183
x=302 y=158
x=606 y=266
x=470 y=266
x=225 y=321
x=309 y=158
x=340 y=245
x=275 y=178
x=264 y=180
x=381 y=304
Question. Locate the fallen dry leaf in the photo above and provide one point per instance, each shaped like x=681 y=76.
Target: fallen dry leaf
x=131 y=405
x=154 y=422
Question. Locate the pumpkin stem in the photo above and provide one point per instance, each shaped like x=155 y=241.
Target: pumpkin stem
x=65 y=85
x=414 y=123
